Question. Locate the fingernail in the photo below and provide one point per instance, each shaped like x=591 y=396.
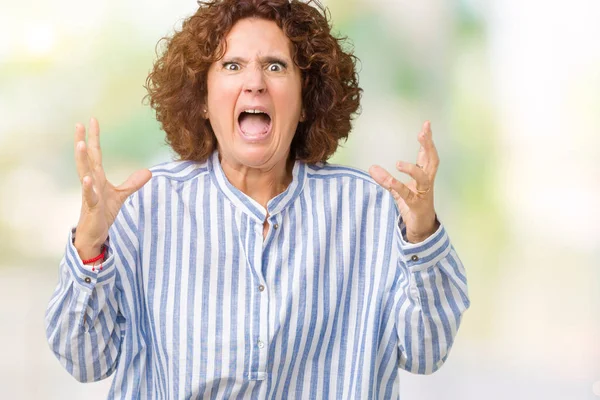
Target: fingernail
x=399 y=164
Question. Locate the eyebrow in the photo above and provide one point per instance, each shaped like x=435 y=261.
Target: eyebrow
x=263 y=59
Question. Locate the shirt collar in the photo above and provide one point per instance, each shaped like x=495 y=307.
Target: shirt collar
x=249 y=205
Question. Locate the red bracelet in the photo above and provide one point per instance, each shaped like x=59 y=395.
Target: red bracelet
x=97 y=258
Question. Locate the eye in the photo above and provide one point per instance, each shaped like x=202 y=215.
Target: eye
x=231 y=66
x=276 y=67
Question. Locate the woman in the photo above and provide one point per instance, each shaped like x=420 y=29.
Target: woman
x=251 y=268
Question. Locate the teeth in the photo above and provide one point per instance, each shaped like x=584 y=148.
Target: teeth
x=254 y=112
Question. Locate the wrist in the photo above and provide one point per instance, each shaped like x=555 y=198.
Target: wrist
x=86 y=249
x=418 y=237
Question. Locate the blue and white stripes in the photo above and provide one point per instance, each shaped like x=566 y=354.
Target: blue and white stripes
x=193 y=303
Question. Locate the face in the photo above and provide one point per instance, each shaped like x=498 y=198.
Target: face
x=254 y=96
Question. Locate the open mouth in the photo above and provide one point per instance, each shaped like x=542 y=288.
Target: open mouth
x=254 y=123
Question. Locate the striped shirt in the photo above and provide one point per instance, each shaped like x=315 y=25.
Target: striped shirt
x=193 y=303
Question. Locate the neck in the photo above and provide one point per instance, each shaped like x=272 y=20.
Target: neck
x=259 y=184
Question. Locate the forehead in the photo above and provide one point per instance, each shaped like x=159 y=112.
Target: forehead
x=257 y=36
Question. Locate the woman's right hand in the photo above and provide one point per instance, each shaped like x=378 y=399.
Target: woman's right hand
x=101 y=200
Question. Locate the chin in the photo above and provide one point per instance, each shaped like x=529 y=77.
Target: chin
x=257 y=157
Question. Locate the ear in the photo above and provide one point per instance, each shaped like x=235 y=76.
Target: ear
x=204 y=112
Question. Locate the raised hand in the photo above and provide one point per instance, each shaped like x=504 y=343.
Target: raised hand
x=101 y=200
x=415 y=198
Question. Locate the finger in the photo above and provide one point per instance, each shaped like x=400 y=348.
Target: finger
x=388 y=182
x=79 y=133
x=90 y=197
x=418 y=174
x=94 y=143
x=422 y=158
x=81 y=160
x=134 y=182
x=428 y=155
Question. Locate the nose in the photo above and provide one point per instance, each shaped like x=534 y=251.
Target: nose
x=254 y=81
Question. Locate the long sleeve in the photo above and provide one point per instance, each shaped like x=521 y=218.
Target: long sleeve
x=431 y=297
x=84 y=321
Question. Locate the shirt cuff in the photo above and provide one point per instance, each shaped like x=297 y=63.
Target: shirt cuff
x=423 y=255
x=82 y=274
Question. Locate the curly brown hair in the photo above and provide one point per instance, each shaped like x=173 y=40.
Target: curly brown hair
x=177 y=86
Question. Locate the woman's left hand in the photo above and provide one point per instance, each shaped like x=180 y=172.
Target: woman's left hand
x=415 y=198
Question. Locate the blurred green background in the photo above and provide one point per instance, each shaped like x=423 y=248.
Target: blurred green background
x=513 y=92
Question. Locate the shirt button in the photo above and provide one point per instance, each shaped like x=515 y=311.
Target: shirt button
x=261 y=288
x=276 y=226
x=415 y=258
x=260 y=344
x=87 y=279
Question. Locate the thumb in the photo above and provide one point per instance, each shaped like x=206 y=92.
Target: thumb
x=134 y=182
x=381 y=176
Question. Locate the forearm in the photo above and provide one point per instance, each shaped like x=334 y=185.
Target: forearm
x=82 y=325
x=431 y=302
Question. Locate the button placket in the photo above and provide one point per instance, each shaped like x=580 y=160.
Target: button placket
x=262 y=340
x=262 y=337
x=261 y=343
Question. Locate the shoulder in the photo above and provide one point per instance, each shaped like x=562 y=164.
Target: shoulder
x=169 y=176
x=180 y=171
x=342 y=174
x=350 y=185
